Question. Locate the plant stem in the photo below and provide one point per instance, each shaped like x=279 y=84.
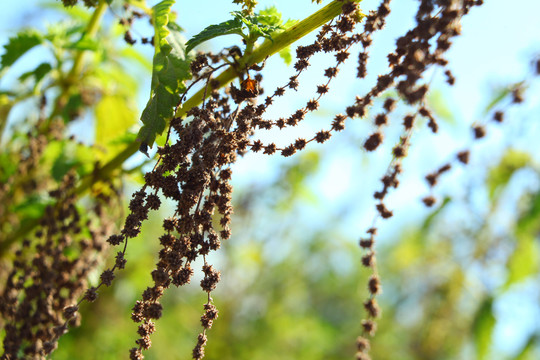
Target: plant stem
x=268 y=48
x=78 y=62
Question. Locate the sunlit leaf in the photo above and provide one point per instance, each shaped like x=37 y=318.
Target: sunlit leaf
x=228 y=27
x=483 y=325
x=262 y=24
x=286 y=55
x=270 y=16
x=501 y=174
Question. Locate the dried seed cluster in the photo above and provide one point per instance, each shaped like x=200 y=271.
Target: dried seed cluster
x=194 y=173
x=44 y=281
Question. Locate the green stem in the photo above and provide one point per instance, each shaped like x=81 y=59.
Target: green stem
x=268 y=48
x=91 y=30
x=78 y=62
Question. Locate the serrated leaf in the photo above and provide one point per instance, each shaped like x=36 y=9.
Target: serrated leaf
x=483 y=325
x=17 y=46
x=228 y=27
x=170 y=70
x=113 y=119
x=154 y=116
x=262 y=24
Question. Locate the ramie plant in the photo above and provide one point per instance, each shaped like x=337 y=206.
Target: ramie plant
x=205 y=131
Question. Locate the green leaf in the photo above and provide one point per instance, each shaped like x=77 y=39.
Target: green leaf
x=523 y=262
x=229 y=27
x=483 y=325
x=525 y=259
x=262 y=24
x=500 y=175
x=154 y=116
x=270 y=16
x=170 y=70
x=113 y=117
x=259 y=25
x=38 y=73
x=17 y=46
